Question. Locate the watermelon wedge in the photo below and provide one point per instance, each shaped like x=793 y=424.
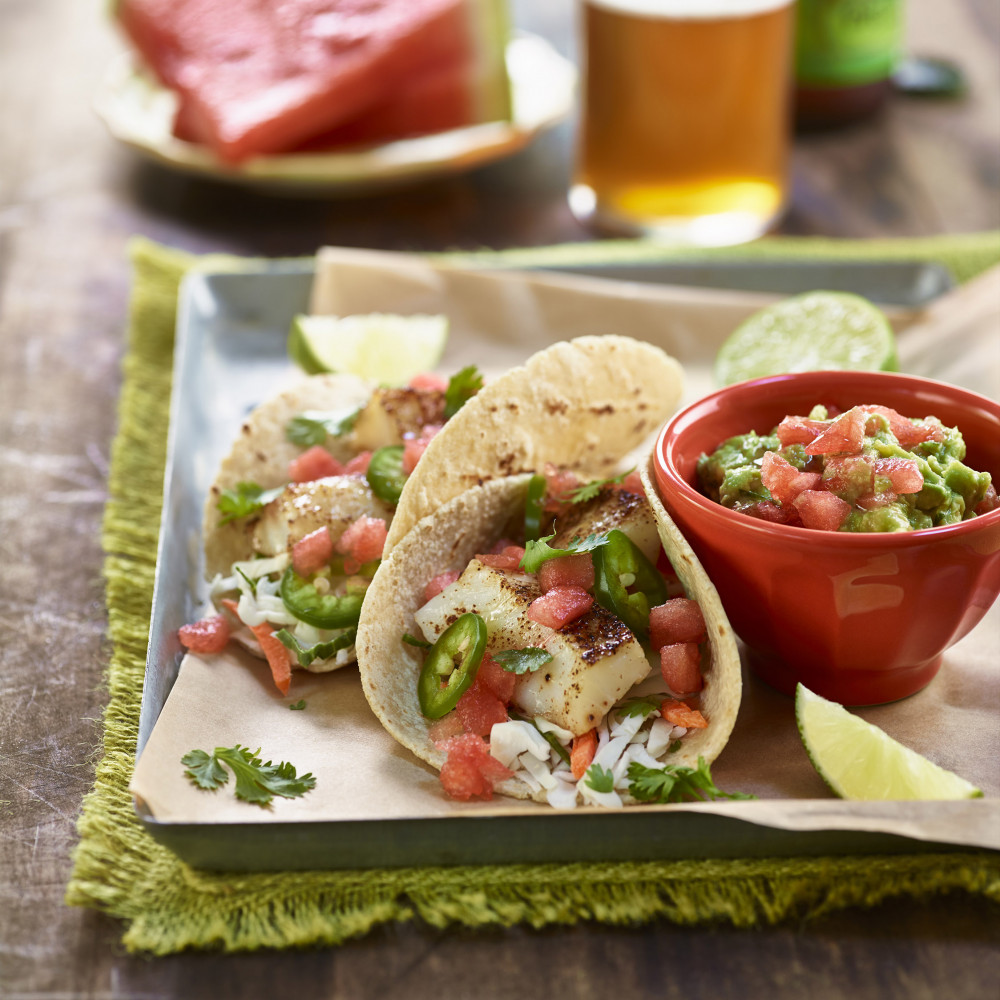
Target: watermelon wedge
x=257 y=78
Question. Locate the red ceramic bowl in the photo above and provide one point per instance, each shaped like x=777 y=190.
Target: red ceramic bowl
x=861 y=619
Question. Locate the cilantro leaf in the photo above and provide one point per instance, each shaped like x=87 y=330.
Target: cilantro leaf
x=298 y=706
x=255 y=782
x=204 y=770
x=321 y=651
x=258 y=782
x=539 y=551
x=639 y=706
x=590 y=490
x=314 y=426
x=522 y=661
x=246 y=499
x=675 y=783
x=599 y=778
x=462 y=386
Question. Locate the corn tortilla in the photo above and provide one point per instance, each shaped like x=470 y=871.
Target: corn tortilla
x=580 y=404
x=446 y=540
x=261 y=454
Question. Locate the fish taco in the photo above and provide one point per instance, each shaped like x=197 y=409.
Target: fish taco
x=569 y=668
x=525 y=633
x=296 y=520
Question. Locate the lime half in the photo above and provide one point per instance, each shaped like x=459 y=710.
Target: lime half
x=859 y=761
x=384 y=348
x=816 y=331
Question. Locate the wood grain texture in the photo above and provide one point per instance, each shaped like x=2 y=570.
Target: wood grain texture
x=69 y=199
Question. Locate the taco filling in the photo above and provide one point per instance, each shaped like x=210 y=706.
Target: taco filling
x=538 y=652
x=290 y=561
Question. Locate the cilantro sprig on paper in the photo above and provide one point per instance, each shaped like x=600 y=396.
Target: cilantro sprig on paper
x=676 y=783
x=256 y=781
x=246 y=499
x=539 y=551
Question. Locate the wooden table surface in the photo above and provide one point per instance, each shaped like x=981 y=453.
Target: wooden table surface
x=69 y=200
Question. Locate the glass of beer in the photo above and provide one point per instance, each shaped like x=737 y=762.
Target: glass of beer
x=685 y=121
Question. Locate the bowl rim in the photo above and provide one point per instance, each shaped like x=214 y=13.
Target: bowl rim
x=724 y=517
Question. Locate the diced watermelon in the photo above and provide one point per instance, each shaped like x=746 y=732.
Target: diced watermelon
x=631 y=484
x=819 y=509
x=845 y=435
x=680 y=665
x=849 y=476
x=258 y=78
x=445 y=728
x=775 y=513
x=872 y=501
x=210 y=635
x=470 y=771
x=799 y=430
x=509 y=559
x=783 y=480
x=583 y=752
x=567 y=571
x=429 y=381
x=560 y=606
x=560 y=484
x=314 y=463
x=480 y=709
x=989 y=502
x=501 y=682
x=906 y=431
x=903 y=473
x=679 y=714
x=313 y=552
x=363 y=541
x=414 y=445
x=679 y=620
x=358 y=466
x=439 y=582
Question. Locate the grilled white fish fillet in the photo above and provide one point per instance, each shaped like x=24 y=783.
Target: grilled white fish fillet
x=628 y=512
x=595 y=659
x=335 y=502
x=390 y=413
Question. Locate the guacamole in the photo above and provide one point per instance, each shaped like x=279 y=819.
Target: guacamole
x=867 y=469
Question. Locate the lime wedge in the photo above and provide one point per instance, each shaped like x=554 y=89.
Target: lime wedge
x=812 y=332
x=859 y=761
x=384 y=348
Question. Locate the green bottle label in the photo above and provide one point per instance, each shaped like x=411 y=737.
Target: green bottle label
x=847 y=42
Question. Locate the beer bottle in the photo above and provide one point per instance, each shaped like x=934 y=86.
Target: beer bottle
x=845 y=52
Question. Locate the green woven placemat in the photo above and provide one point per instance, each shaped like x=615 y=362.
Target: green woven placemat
x=169 y=907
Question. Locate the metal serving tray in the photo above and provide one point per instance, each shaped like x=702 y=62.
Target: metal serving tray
x=231 y=335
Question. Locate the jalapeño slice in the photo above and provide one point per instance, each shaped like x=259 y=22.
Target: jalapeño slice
x=451 y=665
x=321 y=610
x=385 y=473
x=534 y=506
x=621 y=565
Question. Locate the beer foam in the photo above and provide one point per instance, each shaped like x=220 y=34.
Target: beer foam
x=690 y=10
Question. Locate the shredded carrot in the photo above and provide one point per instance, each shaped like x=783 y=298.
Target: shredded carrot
x=679 y=714
x=582 y=754
x=278 y=657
